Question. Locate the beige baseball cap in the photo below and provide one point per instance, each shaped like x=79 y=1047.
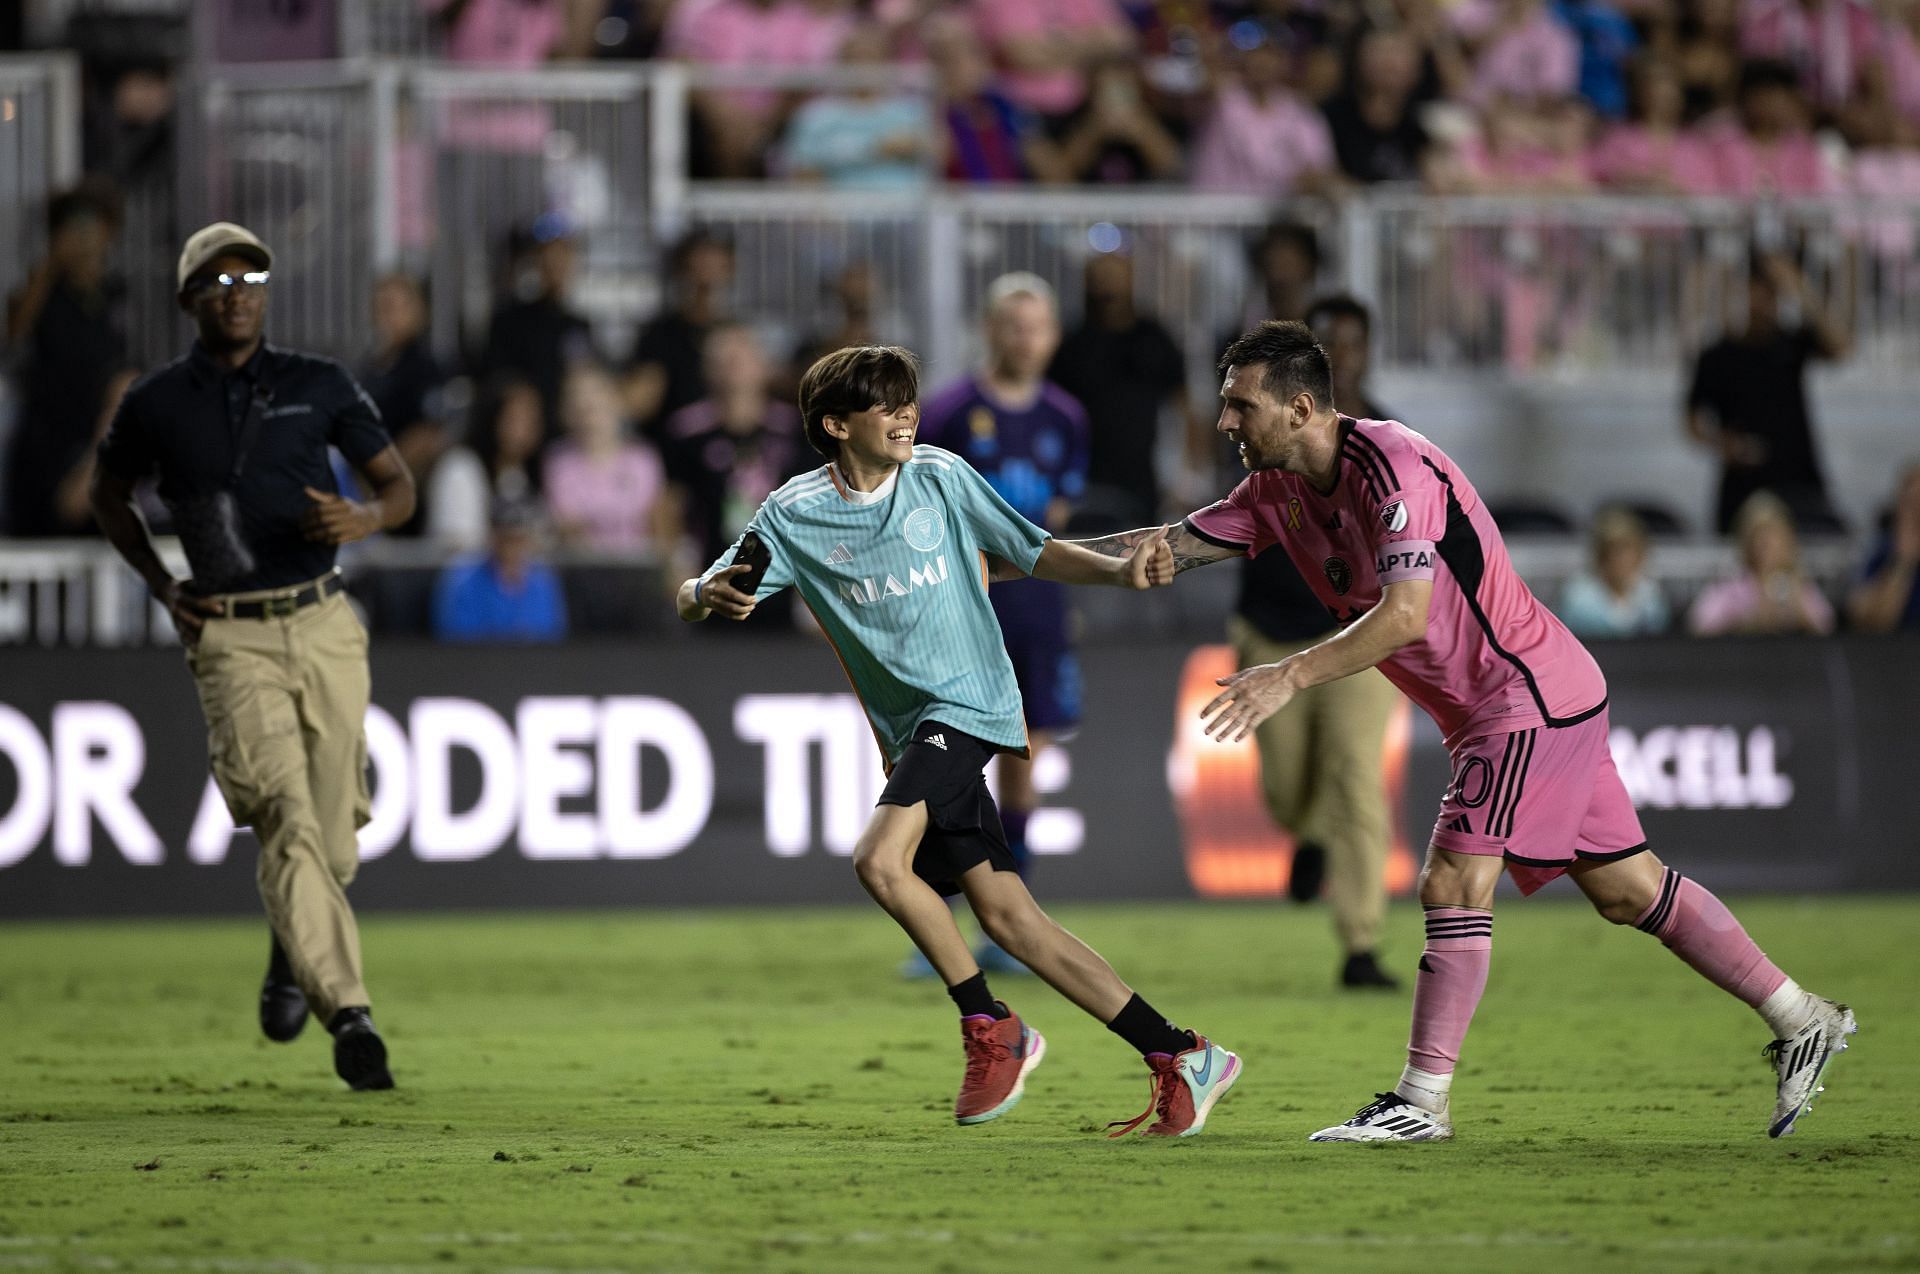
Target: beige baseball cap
x=218 y=240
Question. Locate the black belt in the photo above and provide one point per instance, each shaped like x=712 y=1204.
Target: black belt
x=281 y=607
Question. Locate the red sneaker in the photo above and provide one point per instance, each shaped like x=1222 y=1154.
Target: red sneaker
x=1000 y=1052
x=1185 y=1088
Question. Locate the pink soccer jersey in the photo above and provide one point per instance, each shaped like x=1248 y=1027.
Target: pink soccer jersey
x=1493 y=660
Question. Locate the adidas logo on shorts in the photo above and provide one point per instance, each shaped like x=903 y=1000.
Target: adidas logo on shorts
x=938 y=741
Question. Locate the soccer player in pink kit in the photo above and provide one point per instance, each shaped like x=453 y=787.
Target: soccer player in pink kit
x=1396 y=543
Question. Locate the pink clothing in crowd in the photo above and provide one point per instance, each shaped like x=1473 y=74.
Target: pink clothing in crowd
x=741 y=33
x=512 y=34
x=610 y=502
x=1047 y=92
x=1523 y=166
x=508 y=33
x=1731 y=605
x=1827 y=45
x=1631 y=155
x=1903 y=68
x=1493 y=660
x=1737 y=164
x=1247 y=148
x=1540 y=58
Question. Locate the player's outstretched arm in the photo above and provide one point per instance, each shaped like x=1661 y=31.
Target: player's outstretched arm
x=1188 y=549
x=1149 y=564
x=715 y=595
x=1254 y=694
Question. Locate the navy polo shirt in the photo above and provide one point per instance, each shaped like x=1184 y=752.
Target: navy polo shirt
x=183 y=423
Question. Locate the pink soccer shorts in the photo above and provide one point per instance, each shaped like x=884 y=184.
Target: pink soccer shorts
x=1542 y=799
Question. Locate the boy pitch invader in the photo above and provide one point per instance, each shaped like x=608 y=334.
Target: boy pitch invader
x=891 y=545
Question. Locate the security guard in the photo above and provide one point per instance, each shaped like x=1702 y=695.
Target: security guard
x=237 y=432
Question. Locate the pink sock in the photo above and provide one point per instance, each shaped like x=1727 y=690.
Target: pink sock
x=1699 y=929
x=1453 y=973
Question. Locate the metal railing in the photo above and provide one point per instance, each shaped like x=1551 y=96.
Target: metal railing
x=362 y=165
x=39 y=153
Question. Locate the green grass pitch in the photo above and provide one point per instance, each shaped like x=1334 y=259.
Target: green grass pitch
x=730 y=1090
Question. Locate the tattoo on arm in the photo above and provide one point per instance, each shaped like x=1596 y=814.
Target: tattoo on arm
x=1189 y=550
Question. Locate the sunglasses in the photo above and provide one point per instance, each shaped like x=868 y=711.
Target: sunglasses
x=224 y=282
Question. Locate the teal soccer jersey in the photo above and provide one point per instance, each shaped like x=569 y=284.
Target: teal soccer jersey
x=897 y=580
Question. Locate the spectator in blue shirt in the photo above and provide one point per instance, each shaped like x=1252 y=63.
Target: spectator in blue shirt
x=1607 y=40
x=505 y=595
x=1887 y=599
x=1614 y=597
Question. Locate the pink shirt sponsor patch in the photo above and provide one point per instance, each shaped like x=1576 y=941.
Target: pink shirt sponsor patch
x=1493 y=659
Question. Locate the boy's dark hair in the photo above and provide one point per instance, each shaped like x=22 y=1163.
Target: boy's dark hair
x=1340 y=305
x=852 y=380
x=1293 y=360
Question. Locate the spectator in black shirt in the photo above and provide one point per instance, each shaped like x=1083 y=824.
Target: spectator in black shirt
x=1748 y=399
x=666 y=371
x=239 y=434
x=536 y=334
x=72 y=368
x=1114 y=137
x=1124 y=368
x=1375 y=121
x=1321 y=773
x=405 y=381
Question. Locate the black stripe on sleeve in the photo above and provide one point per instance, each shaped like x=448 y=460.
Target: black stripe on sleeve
x=1213 y=540
x=1368 y=471
x=1379 y=455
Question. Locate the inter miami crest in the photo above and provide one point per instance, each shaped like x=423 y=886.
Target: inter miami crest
x=1339 y=574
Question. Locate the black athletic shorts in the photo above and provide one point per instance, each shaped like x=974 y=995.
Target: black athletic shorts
x=946 y=768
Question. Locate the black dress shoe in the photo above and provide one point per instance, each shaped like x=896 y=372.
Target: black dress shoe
x=1308 y=873
x=1362 y=970
x=359 y=1054
x=283 y=1006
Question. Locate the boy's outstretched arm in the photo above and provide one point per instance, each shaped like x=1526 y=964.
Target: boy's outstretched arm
x=1146 y=563
x=1188 y=549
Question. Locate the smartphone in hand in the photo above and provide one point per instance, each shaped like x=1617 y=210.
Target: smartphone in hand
x=757 y=557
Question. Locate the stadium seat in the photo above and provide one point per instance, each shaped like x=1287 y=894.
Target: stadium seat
x=1531 y=517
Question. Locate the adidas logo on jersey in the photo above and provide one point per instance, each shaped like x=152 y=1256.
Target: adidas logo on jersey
x=938 y=741
x=868 y=591
x=839 y=556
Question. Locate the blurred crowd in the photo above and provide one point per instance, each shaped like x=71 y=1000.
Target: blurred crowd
x=1270 y=97
x=1277 y=97
x=533 y=437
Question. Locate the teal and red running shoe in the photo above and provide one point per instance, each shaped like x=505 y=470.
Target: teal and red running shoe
x=1186 y=1087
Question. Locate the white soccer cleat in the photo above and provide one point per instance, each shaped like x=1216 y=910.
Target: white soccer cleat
x=1799 y=1062
x=1389 y=1117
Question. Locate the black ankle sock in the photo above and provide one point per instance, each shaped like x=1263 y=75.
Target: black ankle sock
x=974 y=1000
x=279 y=969
x=1143 y=1027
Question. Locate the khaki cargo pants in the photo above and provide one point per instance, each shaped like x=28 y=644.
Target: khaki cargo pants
x=286 y=705
x=1320 y=771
